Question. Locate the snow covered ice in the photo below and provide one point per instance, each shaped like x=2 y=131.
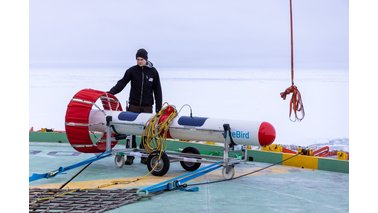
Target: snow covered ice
x=244 y=94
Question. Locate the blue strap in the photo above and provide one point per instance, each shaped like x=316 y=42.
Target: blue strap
x=193 y=189
x=60 y=170
x=176 y=182
x=37 y=177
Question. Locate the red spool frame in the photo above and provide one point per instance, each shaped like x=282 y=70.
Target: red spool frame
x=77 y=119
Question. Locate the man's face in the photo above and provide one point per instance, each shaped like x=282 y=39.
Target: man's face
x=141 y=62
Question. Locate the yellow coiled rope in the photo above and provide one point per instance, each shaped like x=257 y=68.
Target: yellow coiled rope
x=155 y=134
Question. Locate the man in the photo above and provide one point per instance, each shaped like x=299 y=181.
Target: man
x=145 y=85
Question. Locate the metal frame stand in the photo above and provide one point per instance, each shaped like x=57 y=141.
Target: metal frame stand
x=227 y=163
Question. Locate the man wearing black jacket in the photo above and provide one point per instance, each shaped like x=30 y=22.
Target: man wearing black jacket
x=145 y=85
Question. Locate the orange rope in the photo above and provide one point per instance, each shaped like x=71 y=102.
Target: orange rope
x=296 y=103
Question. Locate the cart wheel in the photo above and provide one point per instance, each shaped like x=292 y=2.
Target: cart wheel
x=190 y=166
x=228 y=172
x=119 y=161
x=162 y=166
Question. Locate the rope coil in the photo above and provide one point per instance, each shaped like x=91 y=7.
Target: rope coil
x=296 y=103
x=156 y=129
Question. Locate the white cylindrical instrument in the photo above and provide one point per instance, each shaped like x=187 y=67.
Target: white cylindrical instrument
x=82 y=117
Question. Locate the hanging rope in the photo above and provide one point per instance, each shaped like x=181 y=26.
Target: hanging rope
x=296 y=103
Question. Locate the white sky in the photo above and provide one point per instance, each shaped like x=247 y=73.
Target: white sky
x=196 y=33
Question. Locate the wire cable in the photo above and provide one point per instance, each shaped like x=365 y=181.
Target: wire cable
x=255 y=171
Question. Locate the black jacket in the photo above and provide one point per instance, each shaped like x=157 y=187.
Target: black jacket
x=145 y=81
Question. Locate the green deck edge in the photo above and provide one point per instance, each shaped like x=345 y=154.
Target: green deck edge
x=264 y=156
x=59 y=137
x=326 y=164
x=333 y=165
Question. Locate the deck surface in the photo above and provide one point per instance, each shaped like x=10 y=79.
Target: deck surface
x=276 y=189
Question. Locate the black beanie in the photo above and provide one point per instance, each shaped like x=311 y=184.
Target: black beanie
x=142 y=53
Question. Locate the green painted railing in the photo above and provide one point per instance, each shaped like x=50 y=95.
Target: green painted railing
x=327 y=164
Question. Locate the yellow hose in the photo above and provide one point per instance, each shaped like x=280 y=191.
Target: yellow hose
x=155 y=134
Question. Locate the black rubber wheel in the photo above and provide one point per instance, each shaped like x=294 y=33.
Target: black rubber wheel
x=129 y=160
x=162 y=166
x=228 y=172
x=190 y=166
x=119 y=161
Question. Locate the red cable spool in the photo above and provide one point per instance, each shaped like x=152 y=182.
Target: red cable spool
x=167 y=112
x=77 y=120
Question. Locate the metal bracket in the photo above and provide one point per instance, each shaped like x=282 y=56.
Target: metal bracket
x=227 y=129
x=108 y=133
